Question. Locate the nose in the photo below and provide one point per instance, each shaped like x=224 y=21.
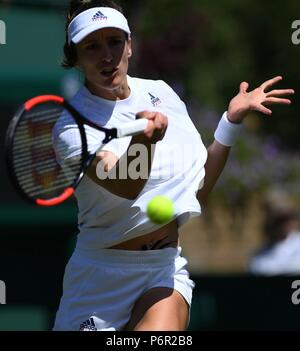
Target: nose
x=106 y=53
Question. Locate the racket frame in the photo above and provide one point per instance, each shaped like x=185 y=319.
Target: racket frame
x=86 y=159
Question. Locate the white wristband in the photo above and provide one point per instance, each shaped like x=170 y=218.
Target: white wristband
x=227 y=132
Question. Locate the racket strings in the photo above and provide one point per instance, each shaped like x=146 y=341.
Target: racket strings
x=38 y=154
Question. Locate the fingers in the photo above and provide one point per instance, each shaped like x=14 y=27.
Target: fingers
x=276 y=101
x=157 y=125
x=263 y=110
x=145 y=114
x=279 y=93
x=149 y=128
x=160 y=126
x=243 y=87
x=270 y=82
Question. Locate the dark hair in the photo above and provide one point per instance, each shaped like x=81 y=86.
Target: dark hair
x=75 y=8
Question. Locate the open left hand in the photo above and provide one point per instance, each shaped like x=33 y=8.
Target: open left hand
x=256 y=100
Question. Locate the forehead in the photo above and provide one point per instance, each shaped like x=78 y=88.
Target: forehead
x=104 y=33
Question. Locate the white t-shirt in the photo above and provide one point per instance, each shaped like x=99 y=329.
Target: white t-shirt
x=105 y=219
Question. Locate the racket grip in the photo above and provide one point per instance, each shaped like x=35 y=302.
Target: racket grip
x=133 y=128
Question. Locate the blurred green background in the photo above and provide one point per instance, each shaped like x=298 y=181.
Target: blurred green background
x=203 y=49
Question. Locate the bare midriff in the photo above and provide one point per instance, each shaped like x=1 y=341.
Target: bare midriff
x=167 y=236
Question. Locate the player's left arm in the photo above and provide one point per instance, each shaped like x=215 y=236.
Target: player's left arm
x=244 y=102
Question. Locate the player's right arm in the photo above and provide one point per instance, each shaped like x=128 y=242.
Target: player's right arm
x=127 y=187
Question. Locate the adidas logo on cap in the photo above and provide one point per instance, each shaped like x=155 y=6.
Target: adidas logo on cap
x=99 y=16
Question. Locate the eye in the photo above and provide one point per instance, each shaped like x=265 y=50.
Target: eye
x=91 y=47
x=116 y=41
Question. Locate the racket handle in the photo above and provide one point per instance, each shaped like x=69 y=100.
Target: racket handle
x=133 y=128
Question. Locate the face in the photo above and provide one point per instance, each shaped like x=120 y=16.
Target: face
x=103 y=57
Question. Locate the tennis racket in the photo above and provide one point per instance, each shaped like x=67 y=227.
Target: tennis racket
x=36 y=142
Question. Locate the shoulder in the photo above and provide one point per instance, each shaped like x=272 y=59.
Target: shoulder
x=144 y=83
x=79 y=97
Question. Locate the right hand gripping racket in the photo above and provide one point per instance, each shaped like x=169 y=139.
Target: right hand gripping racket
x=34 y=153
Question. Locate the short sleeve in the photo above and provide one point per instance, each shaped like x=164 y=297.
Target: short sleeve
x=68 y=144
x=177 y=106
x=171 y=94
x=66 y=139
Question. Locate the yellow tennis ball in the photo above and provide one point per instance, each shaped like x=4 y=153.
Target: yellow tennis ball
x=160 y=209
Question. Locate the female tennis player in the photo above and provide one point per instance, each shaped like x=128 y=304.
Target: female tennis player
x=126 y=272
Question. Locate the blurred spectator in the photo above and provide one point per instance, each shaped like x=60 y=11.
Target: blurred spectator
x=280 y=254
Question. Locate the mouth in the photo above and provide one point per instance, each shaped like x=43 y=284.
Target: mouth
x=108 y=72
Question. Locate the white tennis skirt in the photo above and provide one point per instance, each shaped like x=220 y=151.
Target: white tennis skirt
x=101 y=287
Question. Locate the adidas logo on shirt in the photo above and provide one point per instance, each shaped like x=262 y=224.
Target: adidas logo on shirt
x=88 y=325
x=99 y=16
x=154 y=100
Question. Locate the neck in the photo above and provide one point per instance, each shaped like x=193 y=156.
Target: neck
x=119 y=93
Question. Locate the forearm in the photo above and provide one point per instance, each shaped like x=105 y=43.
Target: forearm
x=129 y=174
x=133 y=170
x=216 y=160
x=218 y=152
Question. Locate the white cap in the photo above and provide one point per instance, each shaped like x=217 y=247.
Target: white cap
x=93 y=19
